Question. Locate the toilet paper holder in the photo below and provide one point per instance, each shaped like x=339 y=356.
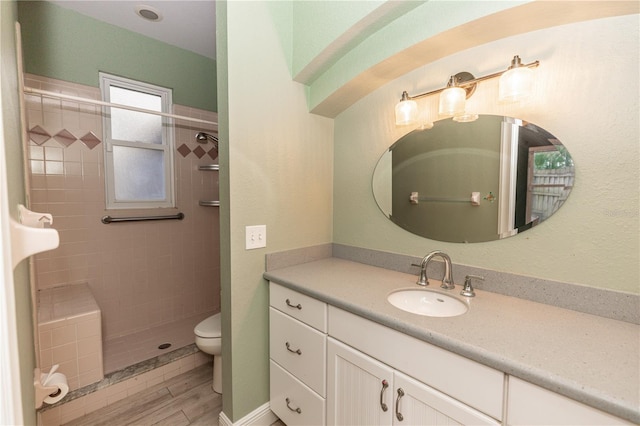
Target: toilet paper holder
x=42 y=390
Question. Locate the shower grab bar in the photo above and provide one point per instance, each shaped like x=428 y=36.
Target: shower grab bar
x=209 y=167
x=108 y=219
x=62 y=96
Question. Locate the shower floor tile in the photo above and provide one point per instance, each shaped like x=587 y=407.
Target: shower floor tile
x=124 y=351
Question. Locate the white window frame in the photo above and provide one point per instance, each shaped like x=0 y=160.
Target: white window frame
x=167 y=145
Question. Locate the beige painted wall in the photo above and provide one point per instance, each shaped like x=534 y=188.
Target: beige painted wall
x=586 y=95
x=279 y=175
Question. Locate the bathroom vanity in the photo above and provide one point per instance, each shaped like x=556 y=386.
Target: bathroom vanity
x=342 y=354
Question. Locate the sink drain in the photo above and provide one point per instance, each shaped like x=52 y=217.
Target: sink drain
x=164 y=346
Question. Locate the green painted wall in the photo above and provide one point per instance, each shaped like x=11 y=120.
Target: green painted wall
x=593 y=239
x=16 y=194
x=223 y=183
x=326 y=31
x=280 y=175
x=63 y=44
x=425 y=21
x=316 y=25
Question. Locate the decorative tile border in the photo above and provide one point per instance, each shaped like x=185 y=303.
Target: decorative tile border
x=39 y=136
x=199 y=152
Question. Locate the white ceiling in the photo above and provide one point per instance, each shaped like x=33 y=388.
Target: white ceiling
x=189 y=24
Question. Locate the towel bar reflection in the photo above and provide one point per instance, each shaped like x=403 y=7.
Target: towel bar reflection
x=474 y=199
x=108 y=219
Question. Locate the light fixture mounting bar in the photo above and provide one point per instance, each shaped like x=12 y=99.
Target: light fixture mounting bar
x=467 y=83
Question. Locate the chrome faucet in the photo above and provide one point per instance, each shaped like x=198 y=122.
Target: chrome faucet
x=447 y=279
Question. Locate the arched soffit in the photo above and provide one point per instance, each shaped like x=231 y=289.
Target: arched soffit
x=343 y=83
x=326 y=31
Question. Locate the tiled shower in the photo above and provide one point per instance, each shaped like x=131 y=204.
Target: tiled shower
x=153 y=281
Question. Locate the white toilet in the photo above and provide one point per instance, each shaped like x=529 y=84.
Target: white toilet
x=209 y=340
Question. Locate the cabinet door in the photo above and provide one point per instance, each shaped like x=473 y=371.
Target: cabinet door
x=529 y=404
x=418 y=404
x=358 y=388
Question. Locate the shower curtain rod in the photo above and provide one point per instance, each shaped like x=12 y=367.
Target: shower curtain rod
x=46 y=93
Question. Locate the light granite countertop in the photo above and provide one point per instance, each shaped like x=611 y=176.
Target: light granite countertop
x=588 y=358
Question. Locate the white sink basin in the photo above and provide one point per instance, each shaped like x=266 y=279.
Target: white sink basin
x=427 y=302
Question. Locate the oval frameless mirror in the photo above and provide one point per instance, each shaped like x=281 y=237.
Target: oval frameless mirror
x=472 y=182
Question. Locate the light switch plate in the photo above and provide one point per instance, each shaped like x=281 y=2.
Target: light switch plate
x=256 y=236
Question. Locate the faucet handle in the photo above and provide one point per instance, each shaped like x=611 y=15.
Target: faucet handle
x=468 y=291
x=423 y=275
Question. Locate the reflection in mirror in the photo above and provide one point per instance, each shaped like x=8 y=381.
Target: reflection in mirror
x=472 y=182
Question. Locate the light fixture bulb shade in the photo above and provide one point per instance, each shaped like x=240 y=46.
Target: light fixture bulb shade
x=452 y=101
x=406 y=112
x=465 y=117
x=516 y=84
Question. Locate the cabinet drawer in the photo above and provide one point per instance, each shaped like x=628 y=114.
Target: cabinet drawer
x=299 y=349
x=288 y=395
x=305 y=308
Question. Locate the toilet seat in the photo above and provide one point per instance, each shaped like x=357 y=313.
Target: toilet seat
x=209 y=327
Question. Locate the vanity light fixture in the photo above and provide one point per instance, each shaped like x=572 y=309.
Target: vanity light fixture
x=452 y=99
x=406 y=110
x=515 y=84
x=465 y=117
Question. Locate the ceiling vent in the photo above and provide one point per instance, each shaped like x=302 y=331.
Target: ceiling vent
x=149 y=13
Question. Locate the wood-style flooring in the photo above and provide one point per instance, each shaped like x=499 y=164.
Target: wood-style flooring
x=187 y=399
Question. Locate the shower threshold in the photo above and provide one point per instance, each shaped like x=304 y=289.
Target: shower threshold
x=122 y=352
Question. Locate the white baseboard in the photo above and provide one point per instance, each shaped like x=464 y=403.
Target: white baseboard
x=261 y=416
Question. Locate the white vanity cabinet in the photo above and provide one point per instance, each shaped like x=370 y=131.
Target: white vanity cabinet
x=529 y=404
x=364 y=391
x=436 y=386
x=297 y=348
x=473 y=384
x=330 y=366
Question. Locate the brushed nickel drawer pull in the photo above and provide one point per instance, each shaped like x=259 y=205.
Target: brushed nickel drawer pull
x=297 y=410
x=399 y=415
x=288 y=302
x=385 y=385
x=297 y=351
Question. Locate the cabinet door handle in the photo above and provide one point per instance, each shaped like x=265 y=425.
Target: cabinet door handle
x=399 y=415
x=296 y=410
x=288 y=302
x=297 y=351
x=385 y=385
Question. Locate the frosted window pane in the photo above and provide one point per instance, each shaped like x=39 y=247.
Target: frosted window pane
x=135 y=126
x=138 y=174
